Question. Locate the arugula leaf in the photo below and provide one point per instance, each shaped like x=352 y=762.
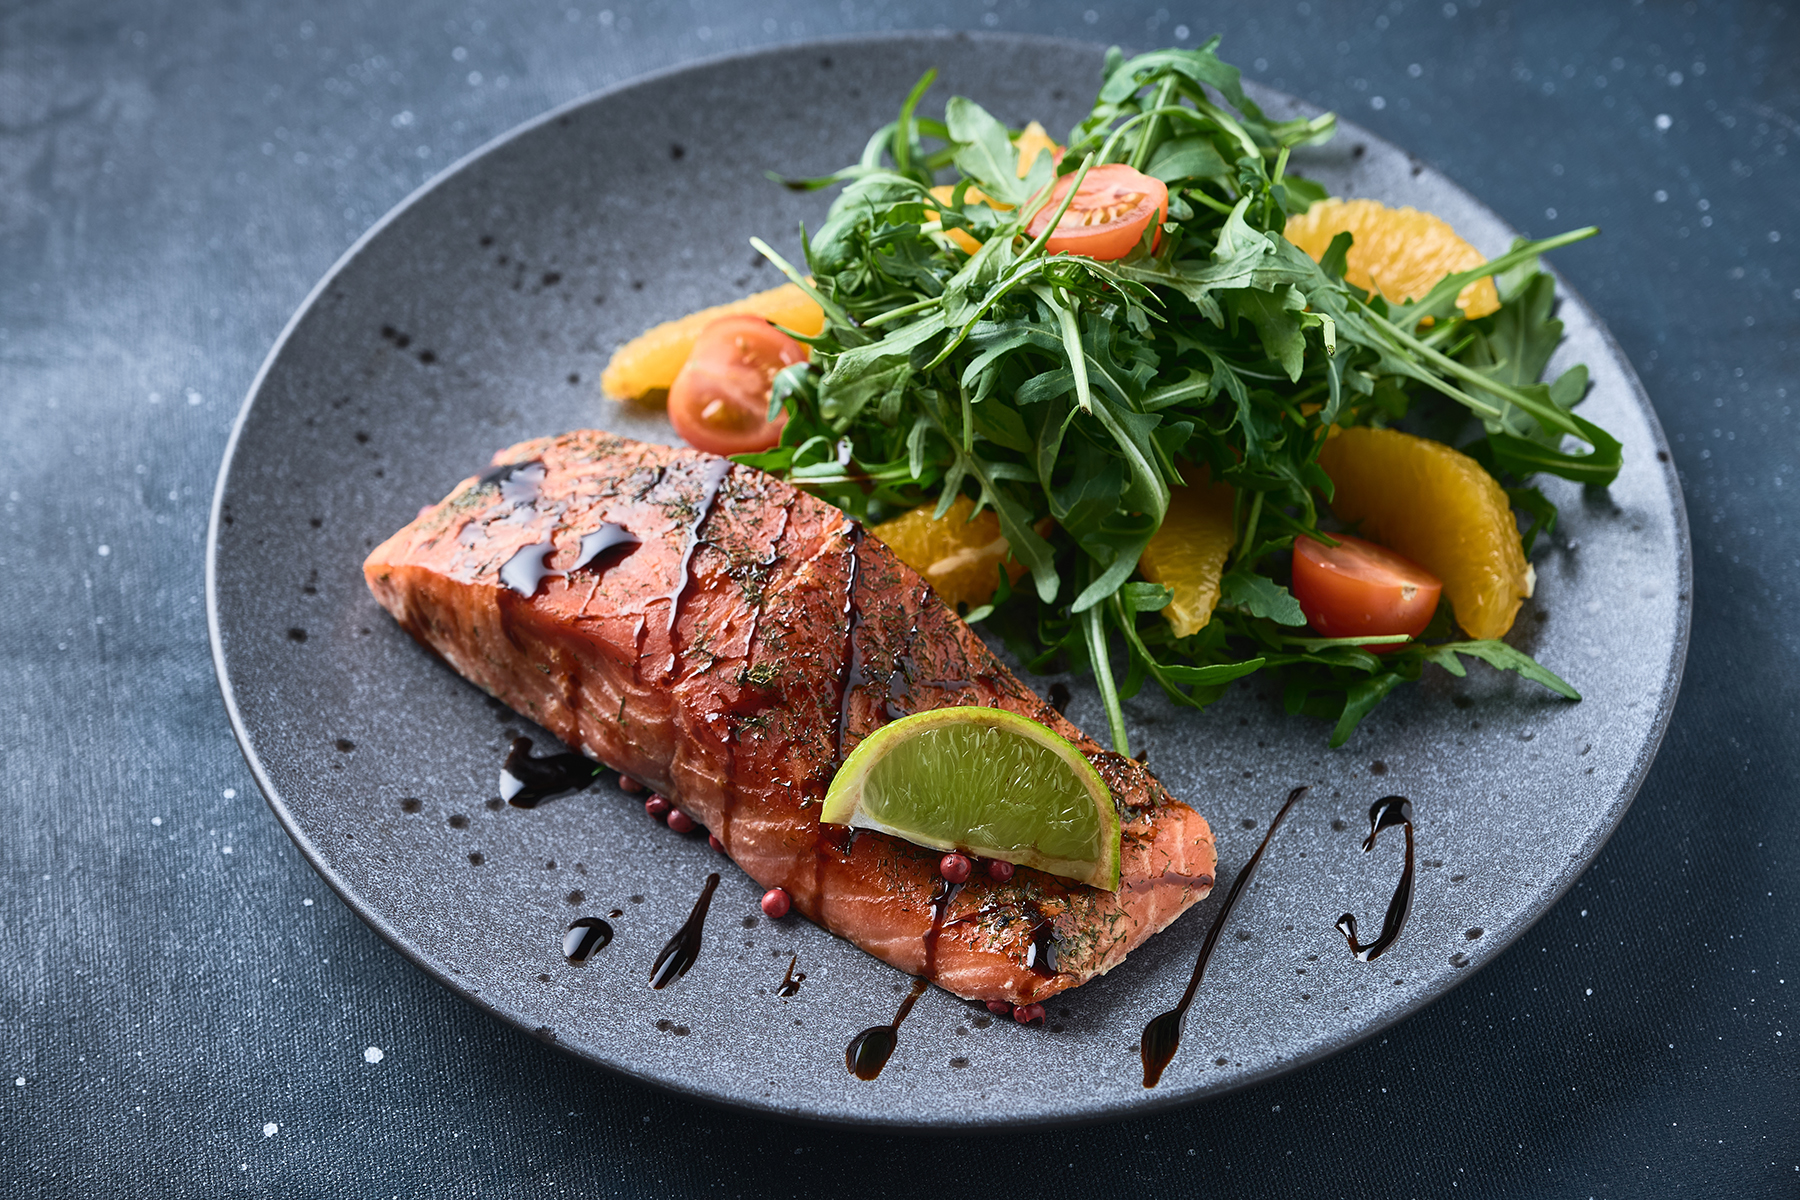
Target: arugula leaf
x=1336 y=261
x=1299 y=194
x=1260 y=596
x=1359 y=701
x=984 y=152
x=1145 y=597
x=1190 y=157
x=1214 y=675
x=1276 y=316
x=1507 y=658
x=1523 y=337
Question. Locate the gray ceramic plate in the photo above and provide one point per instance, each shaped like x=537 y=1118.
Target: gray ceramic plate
x=481 y=311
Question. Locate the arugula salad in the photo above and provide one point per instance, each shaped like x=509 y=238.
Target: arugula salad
x=1073 y=341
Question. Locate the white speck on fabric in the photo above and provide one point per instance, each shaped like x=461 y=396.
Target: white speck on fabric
x=373 y=1054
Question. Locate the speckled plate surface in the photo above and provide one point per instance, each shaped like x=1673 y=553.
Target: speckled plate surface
x=480 y=313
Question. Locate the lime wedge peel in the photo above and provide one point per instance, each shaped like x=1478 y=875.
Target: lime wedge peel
x=985 y=782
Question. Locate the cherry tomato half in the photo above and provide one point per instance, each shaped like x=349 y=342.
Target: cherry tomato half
x=1359 y=589
x=719 y=401
x=1108 y=215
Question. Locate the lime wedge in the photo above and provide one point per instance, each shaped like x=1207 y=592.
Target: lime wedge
x=985 y=782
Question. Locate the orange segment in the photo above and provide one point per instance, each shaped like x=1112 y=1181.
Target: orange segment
x=653 y=359
x=1440 y=509
x=956 y=556
x=1399 y=252
x=1032 y=141
x=1187 y=555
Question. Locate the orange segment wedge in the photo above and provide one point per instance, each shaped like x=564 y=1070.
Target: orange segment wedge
x=1187 y=555
x=1438 y=507
x=652 y=359
x=1032 y=141
x=1399 y=252
x=956 y=556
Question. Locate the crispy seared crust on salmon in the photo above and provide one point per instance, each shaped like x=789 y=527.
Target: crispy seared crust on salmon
x=730 y=659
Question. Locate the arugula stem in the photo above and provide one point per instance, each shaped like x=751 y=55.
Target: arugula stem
x=1218 y=206
x=903 y=128
x=894 y=314
x=800 y=281
x=1093 y=624
x=1281 y=159
x=1249 y=542
x=1251 y=149
x=1453 y=284
x=1148 y=115
x=1147 y=140
x=1118 y=135
x=1037 y=246
x=1071 y=335
x=1548 y=414
x=1301 y=530
x=871 y=156
x=1318 y=643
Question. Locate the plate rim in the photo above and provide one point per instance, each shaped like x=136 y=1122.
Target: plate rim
x=1149 y=1102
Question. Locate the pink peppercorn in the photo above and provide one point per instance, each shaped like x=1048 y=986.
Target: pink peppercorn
x=628 y=784
x=680 y=822
x=1025 y=1014
x=956 y=867
x=1002 y=871
x=1000 y=1008
x=712 y=839
x=658 y=807
x=775 y=903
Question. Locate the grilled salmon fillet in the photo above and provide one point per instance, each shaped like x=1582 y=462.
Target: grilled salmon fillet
x=727 y=639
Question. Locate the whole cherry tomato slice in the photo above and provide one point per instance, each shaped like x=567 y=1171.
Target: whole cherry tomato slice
x=719 y=401
x=1359 y=589
x=1108 y=215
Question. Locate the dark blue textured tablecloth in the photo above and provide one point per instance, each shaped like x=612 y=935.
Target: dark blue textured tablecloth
x=188 y=1011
